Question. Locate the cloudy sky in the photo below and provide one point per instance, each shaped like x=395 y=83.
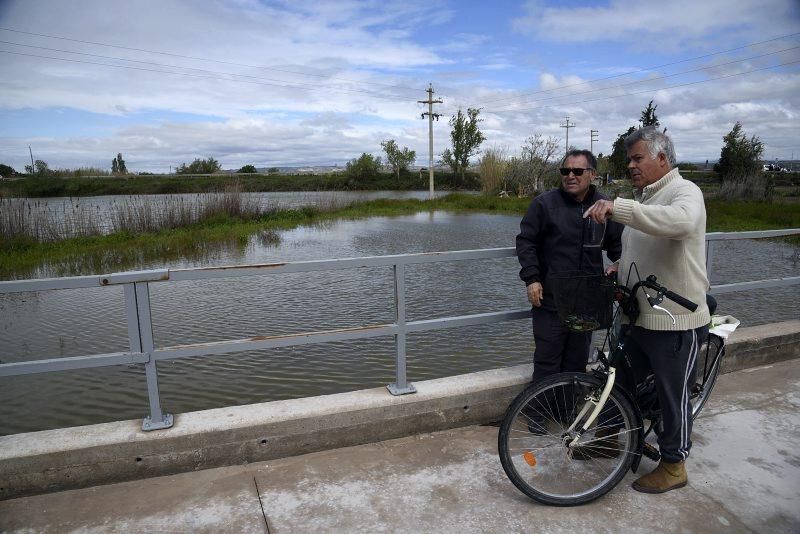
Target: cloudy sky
x=276 y=83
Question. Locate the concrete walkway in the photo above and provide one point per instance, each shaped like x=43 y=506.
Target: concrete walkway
x=744 y=477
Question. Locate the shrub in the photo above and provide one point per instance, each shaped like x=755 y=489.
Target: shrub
x=492 y=170
x=740 y=168
x=199 y=166
x=361 y=169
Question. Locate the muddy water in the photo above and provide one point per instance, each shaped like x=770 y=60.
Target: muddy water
x=91 y=321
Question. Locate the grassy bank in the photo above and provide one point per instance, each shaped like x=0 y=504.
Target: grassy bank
x=127 y=250
x=34 y=187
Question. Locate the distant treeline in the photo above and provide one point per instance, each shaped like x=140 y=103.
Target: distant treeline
x=171 y=184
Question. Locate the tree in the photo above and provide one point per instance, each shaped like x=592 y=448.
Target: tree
x=398 y=159
x=649 y=117
x=121 y=169
x=740 y=157
x=466 y=139
x=6 y=170
x=740 y=167
x=248 y=169
x=538 y=153
x=40 y=168
x=618 y=160
x=199 y=166
x=362 y=168
x=602 y=164
x=528 y=173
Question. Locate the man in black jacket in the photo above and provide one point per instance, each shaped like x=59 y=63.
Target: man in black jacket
x=555 y=238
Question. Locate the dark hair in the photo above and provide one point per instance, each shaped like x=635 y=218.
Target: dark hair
x=585 y=153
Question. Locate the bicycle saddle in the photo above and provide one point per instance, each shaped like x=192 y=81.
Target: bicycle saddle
x=712 y=304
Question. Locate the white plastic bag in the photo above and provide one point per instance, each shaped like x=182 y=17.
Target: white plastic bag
x=723 y=325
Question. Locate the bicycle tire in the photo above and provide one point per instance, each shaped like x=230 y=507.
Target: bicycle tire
x=705 y=384
x=555 y=476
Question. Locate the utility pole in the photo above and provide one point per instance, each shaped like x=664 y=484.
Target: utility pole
x=567 y=125
x=431 y=115
x=33 y=169
x=593 y=135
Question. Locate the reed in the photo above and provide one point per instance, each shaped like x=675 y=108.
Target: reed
x=223 y=221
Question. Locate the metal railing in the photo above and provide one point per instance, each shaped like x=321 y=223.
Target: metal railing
x=140 y=330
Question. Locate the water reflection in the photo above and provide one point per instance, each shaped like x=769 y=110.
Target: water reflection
x=75 y=322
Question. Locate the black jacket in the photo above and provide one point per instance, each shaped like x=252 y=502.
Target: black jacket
x=553 y=238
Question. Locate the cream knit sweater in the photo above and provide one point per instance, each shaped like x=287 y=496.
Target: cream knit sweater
x=665 y=230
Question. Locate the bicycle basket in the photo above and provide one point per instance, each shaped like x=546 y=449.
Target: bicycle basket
x=583 y=301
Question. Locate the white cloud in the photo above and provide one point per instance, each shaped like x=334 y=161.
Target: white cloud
x=651 y=25
x=346 y=75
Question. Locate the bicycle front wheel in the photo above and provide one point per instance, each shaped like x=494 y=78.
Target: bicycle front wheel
x=535 y=434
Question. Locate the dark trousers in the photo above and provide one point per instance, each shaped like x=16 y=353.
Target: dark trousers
x=557 y=349
x=671 y=356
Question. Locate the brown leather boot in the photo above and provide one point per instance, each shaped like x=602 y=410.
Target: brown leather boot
x=663 y=478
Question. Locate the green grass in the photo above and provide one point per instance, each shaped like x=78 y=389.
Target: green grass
x=122 y=251
x=51 y=186
x=744 y=216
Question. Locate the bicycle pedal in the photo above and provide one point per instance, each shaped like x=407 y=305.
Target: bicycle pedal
x=651 y=452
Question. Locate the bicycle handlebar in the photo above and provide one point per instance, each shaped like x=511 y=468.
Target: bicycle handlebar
x=686 y=303
x=663 y=291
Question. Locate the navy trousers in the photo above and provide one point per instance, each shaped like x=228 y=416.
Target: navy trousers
x=671 y=356
x=557 y=349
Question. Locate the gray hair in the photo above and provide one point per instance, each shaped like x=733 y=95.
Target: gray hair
x=657 y=143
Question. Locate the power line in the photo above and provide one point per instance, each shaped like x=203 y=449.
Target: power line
x=171 y=66
x=645 y=69
x=195 y=58
x=298 y=85
x=648 y=90
x=659 y=77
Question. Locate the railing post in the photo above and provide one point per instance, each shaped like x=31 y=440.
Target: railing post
x=709 y=259
x=400 y=386
x=140 y=335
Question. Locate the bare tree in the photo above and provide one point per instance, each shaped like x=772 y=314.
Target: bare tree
x=533 y=171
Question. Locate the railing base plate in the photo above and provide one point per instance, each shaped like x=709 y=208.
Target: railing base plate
x=394 y=390
x=148 y=425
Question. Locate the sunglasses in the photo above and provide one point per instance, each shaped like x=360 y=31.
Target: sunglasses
x=577 y=171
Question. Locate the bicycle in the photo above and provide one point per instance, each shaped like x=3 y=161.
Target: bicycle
x=572 y=437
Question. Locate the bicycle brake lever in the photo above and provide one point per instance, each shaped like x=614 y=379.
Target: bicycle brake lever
x=659 y=308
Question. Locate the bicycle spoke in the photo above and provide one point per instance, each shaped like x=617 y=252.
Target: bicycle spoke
x=542 y=464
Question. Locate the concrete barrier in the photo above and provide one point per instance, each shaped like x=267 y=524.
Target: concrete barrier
x=67 y=458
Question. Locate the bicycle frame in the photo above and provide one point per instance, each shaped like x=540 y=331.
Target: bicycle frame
x=571 y=437
x=617 y=371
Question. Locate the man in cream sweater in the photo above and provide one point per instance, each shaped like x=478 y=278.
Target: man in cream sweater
x=664 y=235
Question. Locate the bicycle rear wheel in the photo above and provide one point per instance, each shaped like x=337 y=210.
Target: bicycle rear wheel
x=533 y=441
x=709 y=360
